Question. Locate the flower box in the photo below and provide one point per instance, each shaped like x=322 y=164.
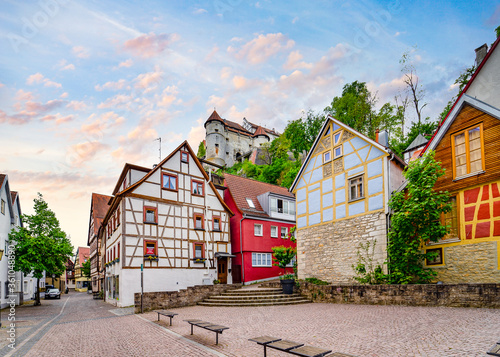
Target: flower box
x=198 y=260
x=151 y=258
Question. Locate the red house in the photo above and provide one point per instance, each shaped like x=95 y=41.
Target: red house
x=264 y=215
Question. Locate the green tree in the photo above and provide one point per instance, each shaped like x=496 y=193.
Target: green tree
x=86 y=268
x=40 y=245
x=300 y=134
x=201 y=150
x=497 y=31
x=399 y=144
x=416 y=220
x=283 y=256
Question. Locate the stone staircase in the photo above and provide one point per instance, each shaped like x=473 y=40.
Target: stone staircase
x=254 y=297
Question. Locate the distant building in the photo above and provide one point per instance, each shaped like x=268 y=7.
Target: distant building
x=228 y=142
x=264 y=216
x=82 y=282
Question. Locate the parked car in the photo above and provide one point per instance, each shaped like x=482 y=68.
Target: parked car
x=48 y=287
x=53 y=294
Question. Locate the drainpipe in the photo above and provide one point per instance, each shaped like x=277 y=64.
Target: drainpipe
x=388 y=216
x=241 y=252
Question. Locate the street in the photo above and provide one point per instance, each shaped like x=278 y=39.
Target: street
x=77 y=325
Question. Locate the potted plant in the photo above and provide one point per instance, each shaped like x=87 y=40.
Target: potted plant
x=282 y=257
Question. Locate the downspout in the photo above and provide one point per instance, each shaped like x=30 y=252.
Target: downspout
x=241 y=253
x=388 y=216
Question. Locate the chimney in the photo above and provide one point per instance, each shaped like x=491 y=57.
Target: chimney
x=481 y=53
x=376 y=135
x=383 y=138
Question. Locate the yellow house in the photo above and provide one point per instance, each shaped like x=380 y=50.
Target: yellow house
x=82 y=282
x=342 y=192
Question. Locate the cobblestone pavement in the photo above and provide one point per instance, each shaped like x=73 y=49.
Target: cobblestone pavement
x=81 y=326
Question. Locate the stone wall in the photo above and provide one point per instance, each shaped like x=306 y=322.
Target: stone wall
x=472 y=263
x=454 y=295
x=328 y=251
x=185 y=297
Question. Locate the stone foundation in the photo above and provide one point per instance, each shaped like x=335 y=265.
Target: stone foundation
x=453 y=295
x=185 y=297
x=329 y=251
x=471 y=263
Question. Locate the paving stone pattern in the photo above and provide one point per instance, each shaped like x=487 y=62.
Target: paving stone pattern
x=87 y=327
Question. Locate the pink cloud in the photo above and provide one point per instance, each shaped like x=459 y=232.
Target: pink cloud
x=294 y=61
x=57 y=118
x=40 y=108
x=118 y=101
x=111 y=85
x=263 y=47
x=65 y=66
x=149 y=81
x=64 y=95
x=83 y=152
x=128 y=63
x=150 y=45
x=39 y=78
x=81 y=52
x=76 y=105
x=98 y=125
x=21 y=95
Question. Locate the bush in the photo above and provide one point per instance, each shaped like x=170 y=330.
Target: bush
x=317 y=281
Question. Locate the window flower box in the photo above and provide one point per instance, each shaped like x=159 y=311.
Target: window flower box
x=199 y=260
x=151 y=258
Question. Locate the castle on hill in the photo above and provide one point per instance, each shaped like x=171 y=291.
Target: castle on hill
x=227 y=142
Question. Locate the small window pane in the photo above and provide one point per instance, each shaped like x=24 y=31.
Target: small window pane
x=150 y=215
x=337 y=138
x=250 y=203
x=199 y=222
x=198 y=251
x=216 y=224
x=274 y=205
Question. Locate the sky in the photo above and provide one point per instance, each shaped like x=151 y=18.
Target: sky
x=87 y=86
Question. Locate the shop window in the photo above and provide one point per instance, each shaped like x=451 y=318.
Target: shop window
x=197 y=188
x=150 y=215
x=468 y=151
x=257 y=230
x=198 y=221
x=356 y=188
x=169 y=182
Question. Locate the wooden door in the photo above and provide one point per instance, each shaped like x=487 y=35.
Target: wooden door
x=222 y=270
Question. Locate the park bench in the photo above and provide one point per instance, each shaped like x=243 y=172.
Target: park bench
x=208 y=326
x=166 y=313
x=293 y=348
x=495 y=350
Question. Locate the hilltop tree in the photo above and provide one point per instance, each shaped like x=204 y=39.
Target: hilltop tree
x=40 y=246
x=414 y=89
x=201 y=150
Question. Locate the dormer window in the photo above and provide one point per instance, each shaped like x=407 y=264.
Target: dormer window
x=250 y=203
x=184 y=156
x=282 y=206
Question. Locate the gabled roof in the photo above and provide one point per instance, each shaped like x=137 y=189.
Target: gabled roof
x=457 y=108
x=83 y=253
x=260 y=131
x=116 y=199
x=329 y=119
x=126 y=168
x=474 y=76
x=4 y=182
x=2 y=179
x=419 y=141
x=242 y=188
x=98 y=208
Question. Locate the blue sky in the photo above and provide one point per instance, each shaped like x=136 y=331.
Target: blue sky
x=87 y=86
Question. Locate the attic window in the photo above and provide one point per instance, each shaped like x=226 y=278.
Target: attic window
x=184 y=156
x=337 y=137
x=337 y=152
x=327 y=157
x=328 y=131
x=250 y=203
x=3 y=207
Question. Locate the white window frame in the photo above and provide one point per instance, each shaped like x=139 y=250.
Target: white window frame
x=327 y=156
x=290 y=265
x=335 y=156
x=255 y=229
x=258 y=261
x=286 y=232
x=290 y=206
x=275 y=235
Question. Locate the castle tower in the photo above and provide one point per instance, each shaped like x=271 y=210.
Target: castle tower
x=260 y=137
x=215 y=139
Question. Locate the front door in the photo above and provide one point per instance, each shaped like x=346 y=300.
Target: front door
x=222 y=270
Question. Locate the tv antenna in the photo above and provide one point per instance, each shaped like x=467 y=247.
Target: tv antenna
x=159 y=139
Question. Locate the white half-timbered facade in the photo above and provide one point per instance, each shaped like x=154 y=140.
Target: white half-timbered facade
x=172 y=222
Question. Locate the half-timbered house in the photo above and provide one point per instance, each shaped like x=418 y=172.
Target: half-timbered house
x=98 y=209
x=342 y=192
x=169 y=222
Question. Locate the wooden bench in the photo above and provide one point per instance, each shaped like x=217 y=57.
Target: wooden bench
x=293 y=348
x=208 y=326
x=495 y=350
x=166 y=313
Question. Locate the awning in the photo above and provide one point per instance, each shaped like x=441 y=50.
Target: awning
x=224 y=255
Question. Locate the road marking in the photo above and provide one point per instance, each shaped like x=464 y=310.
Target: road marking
x=184 y=338
x=39 y=329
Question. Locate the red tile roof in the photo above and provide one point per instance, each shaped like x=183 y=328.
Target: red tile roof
x=13 y=195
x=242 y=188
x=2 y=177
x=83 y=254
x=99 y=209
x=260 y=131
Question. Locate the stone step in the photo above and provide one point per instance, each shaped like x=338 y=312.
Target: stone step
x=254 y=297
x=270 y=303
x=253 y=292
x=275 y=299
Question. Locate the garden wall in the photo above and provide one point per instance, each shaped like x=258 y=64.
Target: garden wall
x=185 y=297
x=455 y=295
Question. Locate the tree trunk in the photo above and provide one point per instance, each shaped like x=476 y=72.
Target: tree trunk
x=37 y=294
